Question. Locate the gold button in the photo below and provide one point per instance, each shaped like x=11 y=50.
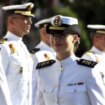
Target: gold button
x=21 y=70
x=75 y=90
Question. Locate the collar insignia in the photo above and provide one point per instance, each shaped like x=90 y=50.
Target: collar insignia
x=46 y=57
x=12 y=49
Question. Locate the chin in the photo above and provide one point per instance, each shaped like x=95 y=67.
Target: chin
x=28 y=31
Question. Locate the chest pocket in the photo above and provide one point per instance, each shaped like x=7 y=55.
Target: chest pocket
x=75 y=88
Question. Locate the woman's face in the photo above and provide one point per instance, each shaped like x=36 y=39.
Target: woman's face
x=62 y=43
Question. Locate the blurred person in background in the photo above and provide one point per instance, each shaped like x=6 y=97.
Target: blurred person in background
x=44 y=45
x=97 y=52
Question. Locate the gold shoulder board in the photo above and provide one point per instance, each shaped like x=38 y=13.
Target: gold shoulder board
x=45 y=64
x=87 y=63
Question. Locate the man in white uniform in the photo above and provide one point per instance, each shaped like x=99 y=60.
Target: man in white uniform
x=44 y=45
x=15 y=58
x=97 y=52
x=67 y=80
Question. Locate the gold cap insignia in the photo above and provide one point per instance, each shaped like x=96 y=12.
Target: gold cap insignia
x=57 y=21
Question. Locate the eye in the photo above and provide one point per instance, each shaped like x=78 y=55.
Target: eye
x=27 y=18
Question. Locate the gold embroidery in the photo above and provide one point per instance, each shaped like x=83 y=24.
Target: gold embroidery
x=12 y=48
x=46 y=56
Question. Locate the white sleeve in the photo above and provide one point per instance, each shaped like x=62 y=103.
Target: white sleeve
x=34 y=80
x=5 y=98
x=96 y=88
x=39 y=96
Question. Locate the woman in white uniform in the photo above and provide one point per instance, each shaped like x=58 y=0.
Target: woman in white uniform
x=66 y=79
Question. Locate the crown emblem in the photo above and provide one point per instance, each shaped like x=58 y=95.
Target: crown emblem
x=57 y=21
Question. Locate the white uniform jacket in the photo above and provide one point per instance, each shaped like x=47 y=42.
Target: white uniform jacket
x=17 y=64
x=96 y=55
x=68 y=83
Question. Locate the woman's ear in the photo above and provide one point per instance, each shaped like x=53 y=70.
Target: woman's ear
x=75 y=38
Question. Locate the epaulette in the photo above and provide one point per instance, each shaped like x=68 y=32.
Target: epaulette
x=87 y=63
x=45 y=64
x=3 y=40
x=33 y=51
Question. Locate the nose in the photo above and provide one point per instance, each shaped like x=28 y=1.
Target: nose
x=29 y=20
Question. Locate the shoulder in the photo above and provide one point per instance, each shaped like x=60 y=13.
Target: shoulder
x=89 y=55
x=87 y=63
x=45 y=59
x=6 y=46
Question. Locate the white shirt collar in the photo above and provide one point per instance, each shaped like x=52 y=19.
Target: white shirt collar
x=68 y=60
x=12 y=36
x=94 y=49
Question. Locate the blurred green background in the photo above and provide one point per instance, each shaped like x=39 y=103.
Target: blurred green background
x=87 y=12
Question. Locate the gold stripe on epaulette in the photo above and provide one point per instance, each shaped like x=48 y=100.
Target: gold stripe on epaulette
x=87 y=63
x=100 y=32
x=45 y=64
x=56 y=28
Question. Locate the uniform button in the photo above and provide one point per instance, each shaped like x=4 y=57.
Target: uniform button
x=61 y=69
x=21 y=70
x=75 y=90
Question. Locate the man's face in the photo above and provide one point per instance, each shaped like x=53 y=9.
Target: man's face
x=21 y=24
x=100 y=40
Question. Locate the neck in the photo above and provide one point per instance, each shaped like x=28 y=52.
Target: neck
x=63 y=55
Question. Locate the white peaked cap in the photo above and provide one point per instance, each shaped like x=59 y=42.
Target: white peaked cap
x=67 y=20
x=23 y=6
x=96 y=26
x=43 y=21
